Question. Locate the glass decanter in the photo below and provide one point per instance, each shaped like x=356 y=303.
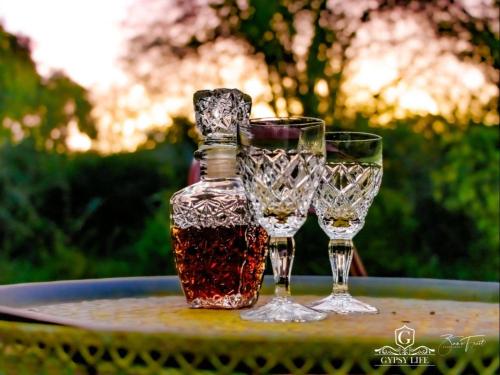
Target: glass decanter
x=219 y=250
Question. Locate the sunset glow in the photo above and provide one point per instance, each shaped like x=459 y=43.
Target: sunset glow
x=87 y=42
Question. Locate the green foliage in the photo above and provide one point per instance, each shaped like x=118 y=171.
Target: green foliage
x=467 y=183
x=85 y=215
x=91 y=216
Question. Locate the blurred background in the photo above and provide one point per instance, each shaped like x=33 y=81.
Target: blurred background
x=96 y=124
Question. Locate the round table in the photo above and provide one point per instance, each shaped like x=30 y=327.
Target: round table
x=143 y=326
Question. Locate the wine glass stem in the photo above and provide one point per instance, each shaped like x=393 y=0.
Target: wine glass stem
x=340 y=252
x=282 y=251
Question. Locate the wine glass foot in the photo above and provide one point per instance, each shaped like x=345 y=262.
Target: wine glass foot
x=283 y=310
x=343 y=304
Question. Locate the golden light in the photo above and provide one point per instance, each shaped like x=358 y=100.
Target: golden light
x=373 y=73
x=262 y=110
x=76 y=140
x=321 y=88
x=417 y=101
x=125 y=117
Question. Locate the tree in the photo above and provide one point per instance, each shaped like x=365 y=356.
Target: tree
x=34 y=107
x=308 y=46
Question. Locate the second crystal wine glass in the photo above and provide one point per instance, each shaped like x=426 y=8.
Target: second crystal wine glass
x=281 y=161
x=350 y=180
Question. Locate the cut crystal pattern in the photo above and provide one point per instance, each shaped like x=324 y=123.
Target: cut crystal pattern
x=345 y=192
x=280 y=186
x=200 y=206
x=219 y=112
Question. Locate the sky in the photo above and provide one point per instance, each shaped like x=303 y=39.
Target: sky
x=66 y=33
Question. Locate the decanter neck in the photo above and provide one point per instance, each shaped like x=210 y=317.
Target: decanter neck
x=217 y=161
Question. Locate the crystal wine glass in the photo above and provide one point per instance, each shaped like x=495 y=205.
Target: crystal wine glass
x=281 y=161
x=350 y=180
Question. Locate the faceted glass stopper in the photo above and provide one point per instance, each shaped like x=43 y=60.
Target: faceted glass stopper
x=218 y=113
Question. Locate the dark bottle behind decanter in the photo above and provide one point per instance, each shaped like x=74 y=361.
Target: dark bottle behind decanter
x=219 y=249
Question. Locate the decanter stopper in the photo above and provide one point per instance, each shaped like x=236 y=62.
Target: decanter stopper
x=219 y=112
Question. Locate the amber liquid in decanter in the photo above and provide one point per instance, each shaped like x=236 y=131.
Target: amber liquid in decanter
x=221 y=266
